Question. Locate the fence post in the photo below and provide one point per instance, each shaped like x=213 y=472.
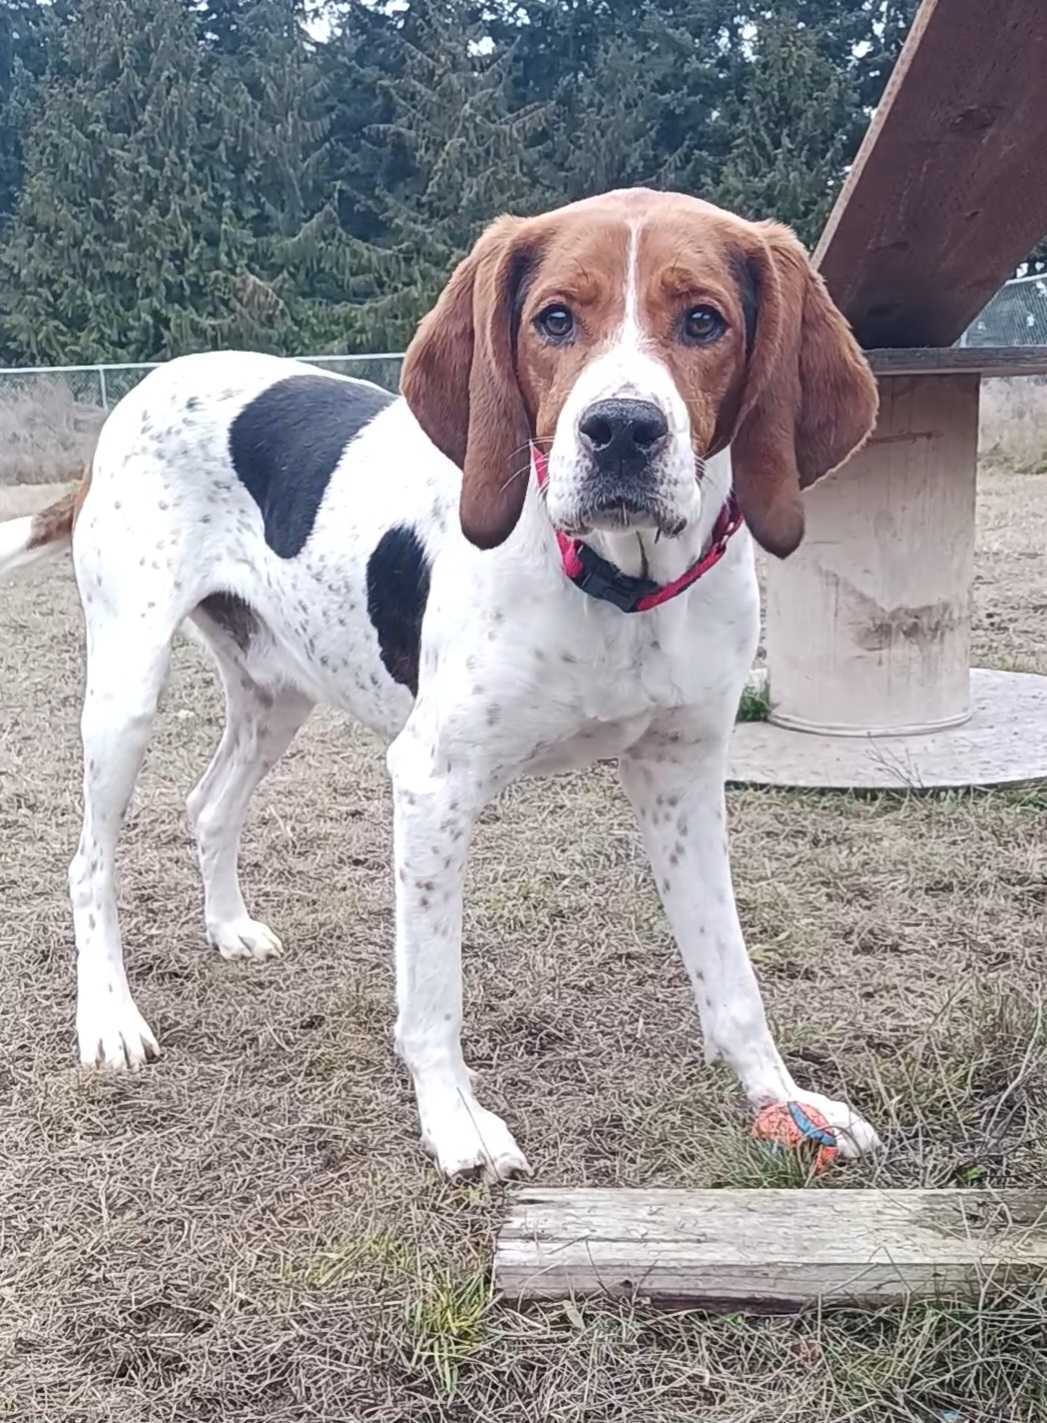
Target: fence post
x=103 y=388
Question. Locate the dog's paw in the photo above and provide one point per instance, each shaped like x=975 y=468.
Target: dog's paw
x=244 y=939
x=854 y=1136
x=112 y=1033
x=466 y=1140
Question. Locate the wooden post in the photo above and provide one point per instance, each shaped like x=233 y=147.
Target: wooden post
x=868 y=623
x=767 y=1251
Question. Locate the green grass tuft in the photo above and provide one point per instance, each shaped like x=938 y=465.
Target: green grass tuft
x=755 y=704
x=447 y=1318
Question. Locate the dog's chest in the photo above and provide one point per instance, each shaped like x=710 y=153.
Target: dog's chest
x=547 y=695
x=633 y=672
x=544 y=678
x=615 y=667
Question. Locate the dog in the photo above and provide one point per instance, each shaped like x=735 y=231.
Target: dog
x=535 y=557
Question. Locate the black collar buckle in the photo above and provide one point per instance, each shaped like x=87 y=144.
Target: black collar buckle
x=601 y=579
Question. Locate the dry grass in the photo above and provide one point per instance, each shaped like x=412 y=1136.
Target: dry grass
x=46 y=433
x=248 y=1231
x=1012 y=431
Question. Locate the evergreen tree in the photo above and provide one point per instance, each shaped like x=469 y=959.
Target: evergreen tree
x=179 y=174
x=124 y=242
x=219 y=24
x=360 y=63
x=553 y=43
x=791 y=132
x=25 y=29
x=464 y=158
x=645 y=110
x=861 y=39
x=283 y=179
x=121 y=244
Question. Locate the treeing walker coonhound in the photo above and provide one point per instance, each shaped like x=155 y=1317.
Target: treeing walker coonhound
x=536 y=557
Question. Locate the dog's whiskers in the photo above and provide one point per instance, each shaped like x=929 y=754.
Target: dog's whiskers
x=535 y=440
x=524 y=469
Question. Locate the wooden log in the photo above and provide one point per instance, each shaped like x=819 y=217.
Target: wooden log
x=948 y=192
x=767 y=1251
x=868 y=622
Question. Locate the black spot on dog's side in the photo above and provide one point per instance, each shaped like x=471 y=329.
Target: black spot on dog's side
x=233 y=614
x=286 y=443
x=397 y=590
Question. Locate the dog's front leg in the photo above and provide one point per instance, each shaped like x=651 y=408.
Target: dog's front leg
x=434 y=810
x=675 y=782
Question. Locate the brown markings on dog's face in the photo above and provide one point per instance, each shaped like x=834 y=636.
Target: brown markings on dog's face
x=682 y=256
x=580 y=264
x=697 y=308
x=718 y=323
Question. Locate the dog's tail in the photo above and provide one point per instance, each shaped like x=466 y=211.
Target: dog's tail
x=42 y=535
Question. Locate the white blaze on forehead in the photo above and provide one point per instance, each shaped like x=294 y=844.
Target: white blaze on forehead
x=627 y=367
x=631 y=324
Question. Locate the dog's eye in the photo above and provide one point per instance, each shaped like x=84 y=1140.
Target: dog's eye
x=703 y=324
x=556 y=322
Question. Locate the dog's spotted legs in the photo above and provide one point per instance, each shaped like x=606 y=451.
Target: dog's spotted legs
x=260 y=725
x=676 y=788
x=434 y=811
x=124 y=680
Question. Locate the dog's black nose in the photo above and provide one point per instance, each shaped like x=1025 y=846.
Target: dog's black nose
x=623 y=433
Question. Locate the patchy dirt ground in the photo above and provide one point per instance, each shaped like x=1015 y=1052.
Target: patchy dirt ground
x=248 y=1230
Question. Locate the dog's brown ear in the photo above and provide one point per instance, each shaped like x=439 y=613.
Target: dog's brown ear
x=459 y=379
x=810 y=399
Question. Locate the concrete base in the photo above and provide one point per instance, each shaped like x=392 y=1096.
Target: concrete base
x=1004 y=743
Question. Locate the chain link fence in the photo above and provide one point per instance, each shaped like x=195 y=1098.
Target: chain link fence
x=103 y=385
x=1016 y=316
x=50 y=415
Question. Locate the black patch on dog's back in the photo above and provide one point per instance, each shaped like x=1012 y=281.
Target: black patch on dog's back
x=286 y=443
x=397 y=591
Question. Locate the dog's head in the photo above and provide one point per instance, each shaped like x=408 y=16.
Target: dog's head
x=630 y=336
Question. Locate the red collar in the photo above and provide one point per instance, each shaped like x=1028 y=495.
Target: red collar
x=600 y=579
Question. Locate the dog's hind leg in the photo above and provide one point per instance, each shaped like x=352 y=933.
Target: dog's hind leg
x=127 y=661
x=260 y=724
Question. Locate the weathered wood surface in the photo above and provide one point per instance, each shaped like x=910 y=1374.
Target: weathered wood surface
x=948 y=191
x=1003 y=744
x=959 y=360
x=868 y=622
x=767 y=1251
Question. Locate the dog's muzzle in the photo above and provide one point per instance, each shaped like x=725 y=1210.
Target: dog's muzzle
x=623 y=437
x=623 y=442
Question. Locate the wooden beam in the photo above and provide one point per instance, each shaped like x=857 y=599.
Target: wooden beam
x=948 y=192
x=959 y=360
x=767 y=1251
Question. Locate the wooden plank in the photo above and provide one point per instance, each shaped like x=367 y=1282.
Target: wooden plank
x=987 y=361
x=948 y=192
x=767 y=1251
